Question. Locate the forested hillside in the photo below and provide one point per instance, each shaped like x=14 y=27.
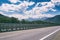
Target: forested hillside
x=5 y=19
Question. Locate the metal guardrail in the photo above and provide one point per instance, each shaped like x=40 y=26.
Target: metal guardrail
x=4 y=27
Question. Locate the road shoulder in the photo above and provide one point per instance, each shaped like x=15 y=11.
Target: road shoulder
x=57 y=36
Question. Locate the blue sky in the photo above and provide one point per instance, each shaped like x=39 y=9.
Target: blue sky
x=25 y=9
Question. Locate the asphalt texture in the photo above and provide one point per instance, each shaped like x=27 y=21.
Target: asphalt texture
x=33 y=34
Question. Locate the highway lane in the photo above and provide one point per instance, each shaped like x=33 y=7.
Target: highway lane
x=33 y=34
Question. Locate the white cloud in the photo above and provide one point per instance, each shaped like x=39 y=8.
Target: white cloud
x=54 y=1
x=54 y=10
x=19 y=16
x=4 y=14
x=44 y=3
x=7 y=7
x=12 y=7
x=28 y=3
x=45 y=7
x=14 y=1
x=36 y=12
x=1 y=13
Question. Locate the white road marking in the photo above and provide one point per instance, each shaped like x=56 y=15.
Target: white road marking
x=49 y=34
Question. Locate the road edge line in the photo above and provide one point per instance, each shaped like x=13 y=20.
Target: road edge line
x=49 y=34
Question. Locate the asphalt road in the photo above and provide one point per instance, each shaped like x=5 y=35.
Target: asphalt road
x=33 y=34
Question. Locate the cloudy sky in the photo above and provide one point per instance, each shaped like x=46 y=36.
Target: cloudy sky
x=25 y=9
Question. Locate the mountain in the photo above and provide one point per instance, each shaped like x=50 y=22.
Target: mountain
x=55 y=19
x=35 y=19
x=5 y=19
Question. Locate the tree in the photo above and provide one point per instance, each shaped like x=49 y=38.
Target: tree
x=23 y=21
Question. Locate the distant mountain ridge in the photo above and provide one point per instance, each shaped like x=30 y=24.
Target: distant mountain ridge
x=5 y=19
x=35 y=19
x=55 y=19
